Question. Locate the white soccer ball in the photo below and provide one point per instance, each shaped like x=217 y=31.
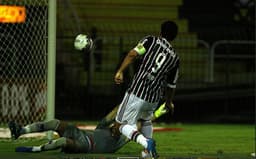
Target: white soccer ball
x=82 y=41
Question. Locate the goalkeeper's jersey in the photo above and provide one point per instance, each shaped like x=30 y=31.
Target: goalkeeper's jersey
x=100 y=140
x=159 y=68
x=104 y=142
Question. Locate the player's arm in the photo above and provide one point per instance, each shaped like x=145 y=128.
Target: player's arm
x=169 y=93
x=165 y=107
x=172 y=78
x=139 y=50
x=130 y=57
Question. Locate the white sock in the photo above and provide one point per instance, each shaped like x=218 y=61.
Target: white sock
x=142 y=140
x=132 y=133
x=36 y=149
x=147 y=130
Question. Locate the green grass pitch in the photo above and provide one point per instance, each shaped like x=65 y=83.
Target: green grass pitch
x=194 y=141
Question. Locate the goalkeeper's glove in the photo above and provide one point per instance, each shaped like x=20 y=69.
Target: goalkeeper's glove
x=163 y=109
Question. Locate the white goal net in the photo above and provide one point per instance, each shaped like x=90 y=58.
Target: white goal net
x=23 y=60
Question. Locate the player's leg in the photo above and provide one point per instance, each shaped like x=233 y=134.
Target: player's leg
x=18 y=130
x=61 y=142
x=146 y=128
x=133 y=134
x=73 y=141
x=130 y=110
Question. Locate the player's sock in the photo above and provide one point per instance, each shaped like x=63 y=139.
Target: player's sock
x=147 y=128
x=36 y=148
x=40 y=126
x=131 y=133
x=54 y=144
x=28 y=149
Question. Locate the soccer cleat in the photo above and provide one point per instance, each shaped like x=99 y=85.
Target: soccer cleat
x=151 y=148
x=24 y=149
x=15 y=129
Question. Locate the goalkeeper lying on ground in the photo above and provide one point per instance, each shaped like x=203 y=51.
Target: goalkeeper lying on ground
x=73 y=140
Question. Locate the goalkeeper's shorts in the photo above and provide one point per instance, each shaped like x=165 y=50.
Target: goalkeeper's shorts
x=81 y=140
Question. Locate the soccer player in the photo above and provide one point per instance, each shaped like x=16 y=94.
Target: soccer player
x=72 y=139
x=157 y=75
x=103 y=139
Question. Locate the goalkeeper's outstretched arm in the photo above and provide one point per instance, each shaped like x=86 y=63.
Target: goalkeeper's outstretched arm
x=51 y=145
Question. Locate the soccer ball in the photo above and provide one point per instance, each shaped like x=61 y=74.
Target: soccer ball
x=82 y=41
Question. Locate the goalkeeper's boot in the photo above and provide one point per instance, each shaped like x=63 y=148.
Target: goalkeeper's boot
x=15 y=129
x=151 y=148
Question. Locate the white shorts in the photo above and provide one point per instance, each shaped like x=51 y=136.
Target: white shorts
x=133 y=108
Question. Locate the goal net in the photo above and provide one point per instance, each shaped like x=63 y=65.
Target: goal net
x=23 y=60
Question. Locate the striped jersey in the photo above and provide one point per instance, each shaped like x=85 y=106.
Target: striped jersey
x=159 y=69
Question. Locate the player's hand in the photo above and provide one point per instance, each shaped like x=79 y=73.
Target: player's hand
x=170 y=107
x=163 y=109
x=119 y=77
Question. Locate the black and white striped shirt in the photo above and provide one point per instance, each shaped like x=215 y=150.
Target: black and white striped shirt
x=159 y=69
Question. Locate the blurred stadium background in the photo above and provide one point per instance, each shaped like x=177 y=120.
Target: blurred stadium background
x=216 y=43
x=216 y=88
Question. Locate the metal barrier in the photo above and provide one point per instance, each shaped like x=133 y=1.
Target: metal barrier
x=226 y=42
x=207 y=46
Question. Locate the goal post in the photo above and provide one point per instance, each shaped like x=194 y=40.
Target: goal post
x=27 y=60
x=51 y=59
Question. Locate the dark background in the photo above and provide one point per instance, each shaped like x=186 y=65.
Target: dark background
x=229 y=98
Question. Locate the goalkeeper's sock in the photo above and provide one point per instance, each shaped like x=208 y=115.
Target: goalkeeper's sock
x=28 y=149
x=37 y=148
x=131 y=133
x=40 y=126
